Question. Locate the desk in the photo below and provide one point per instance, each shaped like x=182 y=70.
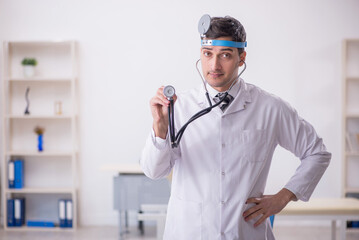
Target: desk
x=341 y=209
x=132 y=189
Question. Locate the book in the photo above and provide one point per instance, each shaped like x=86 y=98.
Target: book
x=62 y=213
x=10 y=213
x=19 y=173
x=11 y=174
x=68 y=220
x=19 y=211
x=48 y=224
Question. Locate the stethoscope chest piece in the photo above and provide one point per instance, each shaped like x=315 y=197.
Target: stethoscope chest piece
x=169 y=91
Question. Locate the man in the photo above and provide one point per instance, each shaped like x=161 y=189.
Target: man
x=221 y=165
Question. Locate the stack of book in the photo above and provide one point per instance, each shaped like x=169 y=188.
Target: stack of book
x=16 y=173
x=65 y=213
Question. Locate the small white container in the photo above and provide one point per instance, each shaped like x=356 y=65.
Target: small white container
x=29 y=71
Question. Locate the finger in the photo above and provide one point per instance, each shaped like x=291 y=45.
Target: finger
x=253 y=200
x=261 y=220
x=251 y=210
x=161 y=95
x=254 y=215
x=155 y=101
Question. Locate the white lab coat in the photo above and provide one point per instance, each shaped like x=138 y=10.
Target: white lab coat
x=224 y=159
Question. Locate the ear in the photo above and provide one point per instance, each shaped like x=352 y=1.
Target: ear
x=242 y=58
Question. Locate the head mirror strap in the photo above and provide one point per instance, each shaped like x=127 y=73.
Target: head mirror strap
x=223 y=43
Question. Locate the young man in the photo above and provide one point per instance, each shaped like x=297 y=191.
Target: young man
x=221 y=165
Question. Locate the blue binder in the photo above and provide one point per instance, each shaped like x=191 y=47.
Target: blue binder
x=62 y=213
x=19 y=211
x=69 y=215
x=40 y=224
x=11 y=174
x=10 y=213
x=19 y=173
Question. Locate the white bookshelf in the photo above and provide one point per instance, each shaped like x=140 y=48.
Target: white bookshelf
x=51 y=174
x=350 y=120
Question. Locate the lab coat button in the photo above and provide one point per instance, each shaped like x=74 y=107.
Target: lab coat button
x=223 y=145
x=223 y=173
x=222 y=202
x=222 y=233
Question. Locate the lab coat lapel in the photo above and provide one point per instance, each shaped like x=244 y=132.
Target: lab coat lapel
x=241 y=101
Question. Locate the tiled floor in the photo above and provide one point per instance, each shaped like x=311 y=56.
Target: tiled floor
x=110 y=233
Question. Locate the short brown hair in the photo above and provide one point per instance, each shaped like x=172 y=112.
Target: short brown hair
x=226 y=27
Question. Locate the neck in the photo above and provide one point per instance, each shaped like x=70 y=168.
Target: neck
x=227 y=87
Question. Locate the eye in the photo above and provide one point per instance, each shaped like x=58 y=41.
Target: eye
x=226 y=55
x=206 y=54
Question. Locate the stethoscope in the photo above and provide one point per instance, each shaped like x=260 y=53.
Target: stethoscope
x=169 y=92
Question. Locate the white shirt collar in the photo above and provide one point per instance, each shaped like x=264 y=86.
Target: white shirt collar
x=233 y=92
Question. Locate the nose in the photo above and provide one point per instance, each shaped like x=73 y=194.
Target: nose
x=216 y=64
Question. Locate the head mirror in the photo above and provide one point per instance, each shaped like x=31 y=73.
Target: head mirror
x=204 y=24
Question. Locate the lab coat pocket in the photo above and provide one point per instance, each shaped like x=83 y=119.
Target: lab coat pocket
x=254 y=143
x=184 y=220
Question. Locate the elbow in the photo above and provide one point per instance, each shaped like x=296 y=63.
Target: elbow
x=153 y=176
x=155 y=173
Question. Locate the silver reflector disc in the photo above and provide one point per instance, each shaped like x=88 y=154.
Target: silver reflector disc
x=204 y=24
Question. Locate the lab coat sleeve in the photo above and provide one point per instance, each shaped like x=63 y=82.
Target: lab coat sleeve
x=299 y=137
x=157 y=157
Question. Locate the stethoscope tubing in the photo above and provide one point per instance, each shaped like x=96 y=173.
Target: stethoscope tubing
x=175 y=139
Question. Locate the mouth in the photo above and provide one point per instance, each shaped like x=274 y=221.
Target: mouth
x=215 y=74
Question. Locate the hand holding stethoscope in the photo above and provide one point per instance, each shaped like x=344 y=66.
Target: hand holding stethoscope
x=159 y=108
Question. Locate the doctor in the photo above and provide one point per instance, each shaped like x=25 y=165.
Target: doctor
x=221 y=166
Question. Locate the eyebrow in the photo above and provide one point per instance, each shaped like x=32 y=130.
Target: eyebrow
x=222 y=50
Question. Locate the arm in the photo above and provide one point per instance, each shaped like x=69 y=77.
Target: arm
x=299 y=137
x=157 y=157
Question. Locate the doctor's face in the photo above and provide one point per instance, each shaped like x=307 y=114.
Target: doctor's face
x=220 y=65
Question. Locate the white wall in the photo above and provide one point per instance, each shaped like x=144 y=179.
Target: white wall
x=130 y=48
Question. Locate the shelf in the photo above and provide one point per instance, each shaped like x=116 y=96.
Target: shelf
x=45 y=229
x=44 y=80
x=352 y=154
x=44 y=117
x=41 y=43
x=40 y=154
x=352 y=230
x=352 y=190
x=50 y=174
x=352 y=115
x=40 y=190
x=352 y=78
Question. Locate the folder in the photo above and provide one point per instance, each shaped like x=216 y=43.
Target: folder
x=11 y=174
x=62 y=213
x=19 y=211
x=19 y=173
x=10 y=213
x=40 y=224
x=69 y=213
